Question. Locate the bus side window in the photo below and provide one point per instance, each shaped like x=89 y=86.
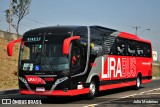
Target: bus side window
x=120 y=50
x=75 y=58
x=121 y=46
x=113 y=50
x=131 y=48
x=147 y=50
x=140 y=50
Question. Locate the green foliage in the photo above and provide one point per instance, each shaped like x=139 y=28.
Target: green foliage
x=20 y=8
x=156 y=71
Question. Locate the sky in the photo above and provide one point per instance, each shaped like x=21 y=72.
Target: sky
x=121 y=15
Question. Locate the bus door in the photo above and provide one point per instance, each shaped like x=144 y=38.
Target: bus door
x=80 y=58
x=76 y=64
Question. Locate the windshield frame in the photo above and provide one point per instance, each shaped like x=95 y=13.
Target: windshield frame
x=21 y=61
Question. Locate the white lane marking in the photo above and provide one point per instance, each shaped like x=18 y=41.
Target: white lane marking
x=128 y=96
x=149 y=91
x=92 y=105
x=152 y=94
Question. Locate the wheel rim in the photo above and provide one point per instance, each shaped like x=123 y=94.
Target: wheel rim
x=138 y=82
x=92 y=88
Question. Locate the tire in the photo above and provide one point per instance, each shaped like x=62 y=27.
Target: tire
x=93 y=89
x=138 y=82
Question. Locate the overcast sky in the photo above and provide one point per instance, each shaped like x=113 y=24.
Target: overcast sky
x=116 y=14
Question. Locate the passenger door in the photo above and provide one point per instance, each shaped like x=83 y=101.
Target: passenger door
x=76 y=65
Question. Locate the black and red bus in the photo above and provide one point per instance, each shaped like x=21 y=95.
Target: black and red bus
x=75 y=60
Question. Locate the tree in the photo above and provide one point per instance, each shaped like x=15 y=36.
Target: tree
x=20 y=8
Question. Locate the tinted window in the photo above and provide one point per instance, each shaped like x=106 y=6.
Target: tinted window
x=143 y=49
x=118 y=47
x=96 y=42
x=82 y=32
x=129 y=47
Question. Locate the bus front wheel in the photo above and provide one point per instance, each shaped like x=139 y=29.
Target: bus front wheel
x=93 y=89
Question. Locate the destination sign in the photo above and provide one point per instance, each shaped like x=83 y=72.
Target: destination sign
x=33 y=39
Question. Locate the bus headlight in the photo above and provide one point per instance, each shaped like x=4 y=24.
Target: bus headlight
x=23 y=80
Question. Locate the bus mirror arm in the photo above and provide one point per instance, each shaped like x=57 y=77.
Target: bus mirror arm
x=10 y=46
x=67 y=42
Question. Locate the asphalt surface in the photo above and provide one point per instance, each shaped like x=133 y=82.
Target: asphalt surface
x=147 y=96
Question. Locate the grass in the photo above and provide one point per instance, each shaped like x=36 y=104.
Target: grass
x=8 y=66
x=156 y=71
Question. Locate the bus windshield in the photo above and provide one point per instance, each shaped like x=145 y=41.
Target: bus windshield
x=46 y=53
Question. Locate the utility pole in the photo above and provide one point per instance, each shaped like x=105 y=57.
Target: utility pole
x=136 y=27
x=10 y=17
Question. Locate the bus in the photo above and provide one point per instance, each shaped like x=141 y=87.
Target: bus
x=76 y=60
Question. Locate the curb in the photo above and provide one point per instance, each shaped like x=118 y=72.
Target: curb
x=11 y=91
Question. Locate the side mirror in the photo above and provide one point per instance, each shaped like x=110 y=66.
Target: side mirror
x=10 y=46
x=67 y=42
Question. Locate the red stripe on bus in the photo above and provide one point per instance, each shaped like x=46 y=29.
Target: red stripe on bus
x=112 y=86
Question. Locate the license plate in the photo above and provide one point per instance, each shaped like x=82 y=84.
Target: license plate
x=40 y=89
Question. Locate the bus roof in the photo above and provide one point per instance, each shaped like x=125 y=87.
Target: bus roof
x=63 y=29
x=52 y=30
x=132 y=37
x=70 y=29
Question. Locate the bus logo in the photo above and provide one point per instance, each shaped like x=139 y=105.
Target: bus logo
x=118 y=67
x=35 y=80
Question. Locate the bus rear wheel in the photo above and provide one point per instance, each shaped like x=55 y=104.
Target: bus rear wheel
x=93 y=89
x=138 y=82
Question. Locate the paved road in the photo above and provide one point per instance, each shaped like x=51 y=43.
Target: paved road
x=79 y=101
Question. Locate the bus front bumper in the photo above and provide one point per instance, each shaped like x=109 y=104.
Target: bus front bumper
x=56 y=92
